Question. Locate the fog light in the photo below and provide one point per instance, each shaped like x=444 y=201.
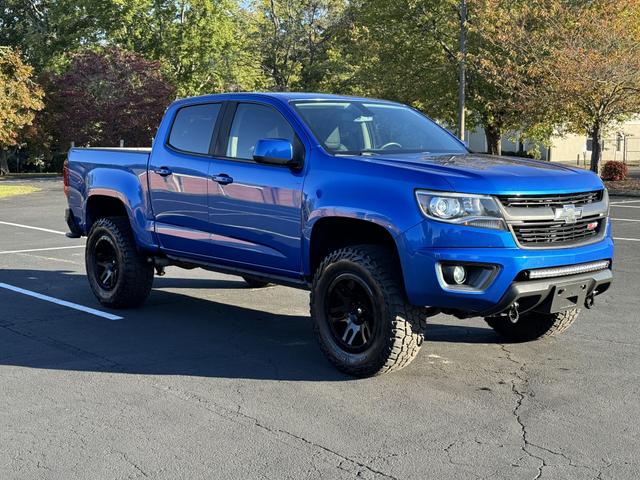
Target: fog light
x=459 y=274
x=465 y=277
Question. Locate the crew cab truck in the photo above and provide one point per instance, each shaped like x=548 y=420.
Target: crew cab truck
x=382 y=214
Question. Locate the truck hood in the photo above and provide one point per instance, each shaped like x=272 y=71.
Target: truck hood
x=476 y=173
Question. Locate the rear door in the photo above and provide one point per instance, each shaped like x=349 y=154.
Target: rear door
x=178 y=180
x=255 y=209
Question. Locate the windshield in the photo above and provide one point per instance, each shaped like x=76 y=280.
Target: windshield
x=361 y=127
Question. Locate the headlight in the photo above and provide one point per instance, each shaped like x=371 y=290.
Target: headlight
x=462 y=208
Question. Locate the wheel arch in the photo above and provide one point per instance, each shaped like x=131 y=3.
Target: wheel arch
x=329 y=233
x=107 y=202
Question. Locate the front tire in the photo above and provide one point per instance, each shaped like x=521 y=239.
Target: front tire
x=363 y=322
x=534 y=326
x=119 y=275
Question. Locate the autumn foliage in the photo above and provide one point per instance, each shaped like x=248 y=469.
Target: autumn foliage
x=107 y=96
x=20 y=97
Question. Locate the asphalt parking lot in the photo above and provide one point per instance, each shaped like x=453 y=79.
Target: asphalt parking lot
x=212 y=379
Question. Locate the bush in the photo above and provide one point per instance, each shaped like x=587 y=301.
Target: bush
x=615 y=171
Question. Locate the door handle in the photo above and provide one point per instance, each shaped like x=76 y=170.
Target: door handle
x=163 y=171
x=222 y=179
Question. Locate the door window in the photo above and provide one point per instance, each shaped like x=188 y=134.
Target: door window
x=193 y=127
x=253 y=122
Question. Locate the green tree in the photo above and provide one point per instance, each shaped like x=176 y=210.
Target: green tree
x=202 y=45
x=503 y=69
x=293 y=37
x=387 y=49
x=45 y=30
x=20 y=98
x=407 y=50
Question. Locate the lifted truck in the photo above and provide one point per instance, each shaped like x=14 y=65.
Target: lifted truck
x=385 y=216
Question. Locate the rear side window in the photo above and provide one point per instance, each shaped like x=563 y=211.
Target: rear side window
x=193 y=127
x=253 y=122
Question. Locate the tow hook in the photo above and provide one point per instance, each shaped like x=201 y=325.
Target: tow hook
x=589 y=300
x=513 y=313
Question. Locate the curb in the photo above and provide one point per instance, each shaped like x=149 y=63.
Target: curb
x=19 y=177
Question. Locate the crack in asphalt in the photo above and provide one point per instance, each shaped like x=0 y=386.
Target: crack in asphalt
x=68 y=348
x=519 y=387
x=132 y=463
x=520 y=394
x=447 y=450
x=236 y=415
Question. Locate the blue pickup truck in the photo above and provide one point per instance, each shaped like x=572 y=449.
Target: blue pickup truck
x=383 y=215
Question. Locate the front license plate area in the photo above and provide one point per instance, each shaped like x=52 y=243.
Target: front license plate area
x=568 y=295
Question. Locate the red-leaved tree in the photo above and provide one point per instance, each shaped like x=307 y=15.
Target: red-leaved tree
x=106 y=96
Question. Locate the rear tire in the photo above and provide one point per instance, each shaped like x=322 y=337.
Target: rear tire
x=534 y=326
x=362 y=319
x=255 y=283
x=119 y=275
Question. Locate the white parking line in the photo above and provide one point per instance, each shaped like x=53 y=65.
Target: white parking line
x=624 y=201
x=64 y=303
x=6 y=252
x=627 y=239
x=49 y=259
x=32 y=228
x=625 y=219
x=625 y=206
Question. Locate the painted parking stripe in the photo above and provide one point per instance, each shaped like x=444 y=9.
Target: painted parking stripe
x=57 y=301
x=624 y=201
x=625 y=206
x=627 y=239
x=625 y=219
x=6 y=252
x=32 y=228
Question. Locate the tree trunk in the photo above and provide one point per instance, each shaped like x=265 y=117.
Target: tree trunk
x=4 y=164
x=596 y=147
x=494 y=139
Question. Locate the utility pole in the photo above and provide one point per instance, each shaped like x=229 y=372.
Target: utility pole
x=462 y=74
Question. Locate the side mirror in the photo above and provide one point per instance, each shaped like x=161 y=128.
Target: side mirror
x=274 y=151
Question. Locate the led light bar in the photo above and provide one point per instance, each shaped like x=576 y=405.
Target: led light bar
x=568 y=270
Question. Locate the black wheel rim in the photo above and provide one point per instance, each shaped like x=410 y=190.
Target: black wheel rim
x=350 y=311
x=106 y=265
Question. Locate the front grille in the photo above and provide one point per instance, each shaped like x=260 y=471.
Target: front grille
x=557 y=233
x=537 y=201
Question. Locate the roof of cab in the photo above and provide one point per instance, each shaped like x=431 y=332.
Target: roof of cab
x=284 y=97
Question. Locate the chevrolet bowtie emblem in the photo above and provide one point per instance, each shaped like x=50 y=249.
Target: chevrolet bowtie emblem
x=568 y=213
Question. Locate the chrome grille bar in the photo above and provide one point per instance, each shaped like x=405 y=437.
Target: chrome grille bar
x=557 y=233
x=558 y=200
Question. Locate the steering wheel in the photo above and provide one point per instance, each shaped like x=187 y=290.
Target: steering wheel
x=390 y=144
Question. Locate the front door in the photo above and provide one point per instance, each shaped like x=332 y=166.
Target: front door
x=255 y=209
x=178 y=181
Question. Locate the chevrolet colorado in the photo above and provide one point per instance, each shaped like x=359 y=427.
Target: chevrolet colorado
x=383 y=215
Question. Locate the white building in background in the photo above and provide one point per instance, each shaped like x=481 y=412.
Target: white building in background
x=622 y=144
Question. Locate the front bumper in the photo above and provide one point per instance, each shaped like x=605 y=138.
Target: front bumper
x=550 y=295
x=419 y=265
